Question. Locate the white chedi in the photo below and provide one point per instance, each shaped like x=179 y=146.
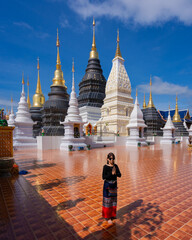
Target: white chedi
x=118 y=103
x=23 y=125
x=168 y=132
x=11 y=116
x=136 y=127
x=73 y=123
x=190 y=130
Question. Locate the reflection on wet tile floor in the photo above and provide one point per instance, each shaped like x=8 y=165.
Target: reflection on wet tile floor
x=61 y=196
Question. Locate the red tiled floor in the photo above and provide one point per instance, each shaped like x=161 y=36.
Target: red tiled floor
x=61 y=196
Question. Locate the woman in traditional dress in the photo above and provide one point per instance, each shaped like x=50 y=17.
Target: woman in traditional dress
x=110 y=174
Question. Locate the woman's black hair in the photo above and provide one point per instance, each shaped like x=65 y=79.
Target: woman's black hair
x=111 y=155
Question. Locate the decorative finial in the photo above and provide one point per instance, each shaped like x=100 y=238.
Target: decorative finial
x=28 y=99
x=73 y=69
x=38 y=97
x=118 y=52
x=57 y=42
x=58 y=79
x=38 y=67
x=11 y=99
x=136 y=92
x=94 y=53
x=73 y=78
x=144 y=103
x=23 y=82
x=176 y=117
x=150 y=103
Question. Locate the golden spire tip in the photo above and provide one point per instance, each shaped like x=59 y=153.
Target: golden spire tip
x=73 y=69
x=57 y=42
x=38 y=67
x=93 y=21
x=136 y=92
x=23 y=82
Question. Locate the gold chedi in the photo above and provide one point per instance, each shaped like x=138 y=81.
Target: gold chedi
x=144 y=103
x=176 y=117
x=58 y=79
x=150 y=103
x=38 y=97
x=93 y=53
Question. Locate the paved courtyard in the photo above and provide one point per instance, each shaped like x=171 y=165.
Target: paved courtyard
x=61 y=196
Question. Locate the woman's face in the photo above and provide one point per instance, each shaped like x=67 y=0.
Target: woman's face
x=111 y=160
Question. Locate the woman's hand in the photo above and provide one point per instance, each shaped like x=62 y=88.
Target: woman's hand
x=114 y=170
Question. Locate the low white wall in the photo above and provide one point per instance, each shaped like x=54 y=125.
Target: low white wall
x=48 y=142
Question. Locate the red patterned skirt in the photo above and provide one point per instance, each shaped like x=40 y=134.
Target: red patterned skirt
x=109 y=199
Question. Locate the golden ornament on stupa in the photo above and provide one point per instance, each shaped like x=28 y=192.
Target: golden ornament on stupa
x=150 y=103
x=176 y=117
x=118 y=52
x=58 y=79
x=38 y=97
x=93 y=53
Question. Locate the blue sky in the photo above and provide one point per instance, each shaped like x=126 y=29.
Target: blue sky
x=155 y=39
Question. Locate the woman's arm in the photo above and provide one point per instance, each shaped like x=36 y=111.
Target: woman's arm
x=118 y=173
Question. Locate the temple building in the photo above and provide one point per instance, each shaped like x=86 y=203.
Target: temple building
x=92 y=88
x=184 y=116
x=38 y=102
x=118 y=103
x=55 y=108
x=152 y=118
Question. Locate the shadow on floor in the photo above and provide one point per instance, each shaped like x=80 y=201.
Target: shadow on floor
x=68 y=204
x=63 y=181
x=133 y=219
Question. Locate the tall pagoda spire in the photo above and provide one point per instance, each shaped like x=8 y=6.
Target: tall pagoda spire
x=38 y=89
x=144 y=103
x=118 y=52
x=176 y=117
x=150 y=103
x=28 y=99
x=58 y=79
x=93 y=53
x=12 y=105
x=38 y=97
x=23 y=83
x=73 y=78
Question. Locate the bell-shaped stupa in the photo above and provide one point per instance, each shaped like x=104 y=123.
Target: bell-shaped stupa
x=168 y=132
x=136 y=127
x=11 y=116
x=23 y=124
x=38 y=102
x=73 y=123
x=55 y=108
x=118 y=103
x=92 y=87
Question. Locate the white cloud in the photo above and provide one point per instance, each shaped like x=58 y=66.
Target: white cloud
x=36 y=33
x=23 y=24
x=64 y=23
x=142 y=12
x=164 y=88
